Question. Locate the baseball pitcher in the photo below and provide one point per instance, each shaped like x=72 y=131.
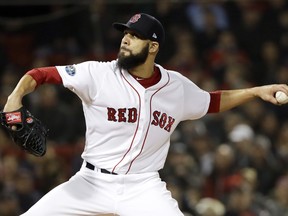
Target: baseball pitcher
x=131 y=107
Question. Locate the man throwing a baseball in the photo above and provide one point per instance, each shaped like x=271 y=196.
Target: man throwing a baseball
x=131 y=107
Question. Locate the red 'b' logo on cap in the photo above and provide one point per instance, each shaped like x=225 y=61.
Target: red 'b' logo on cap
x=135 y=18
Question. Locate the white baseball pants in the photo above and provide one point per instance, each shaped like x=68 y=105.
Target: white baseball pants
x=90 y=193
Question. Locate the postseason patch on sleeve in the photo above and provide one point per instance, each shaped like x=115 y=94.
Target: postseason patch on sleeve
x=70 y=70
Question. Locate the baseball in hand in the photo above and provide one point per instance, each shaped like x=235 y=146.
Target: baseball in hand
x=281 y=97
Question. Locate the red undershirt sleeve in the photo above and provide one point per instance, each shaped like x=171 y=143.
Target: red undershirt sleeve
x=214 y=105
x=45 y=75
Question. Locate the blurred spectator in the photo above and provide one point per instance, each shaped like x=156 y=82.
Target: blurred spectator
x=182 y=165
x=241 y=138
x=9 y=205
x=281 y=145
x=207 y=19
x=249 y=31
x=200 y=13
x=249 y=178
x=202 y=148
x=268 y=167
x=191 y=196
x=280 y=196
x=210 y=207
x=269 y=127
x=235 y=77
x=171 y=15
x=185 y=58
x=254 y=112
x=226 y=53
x=106 y=41
x=240 y=203
x=282 y=74
x=244 y=200
x=223 y=178
x=265 y=71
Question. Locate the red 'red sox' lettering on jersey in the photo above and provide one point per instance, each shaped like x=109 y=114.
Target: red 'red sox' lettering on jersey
x=162 y=120
x=130 y=115
x=122 y=114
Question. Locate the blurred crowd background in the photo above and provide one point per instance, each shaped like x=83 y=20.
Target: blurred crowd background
x=229 y=164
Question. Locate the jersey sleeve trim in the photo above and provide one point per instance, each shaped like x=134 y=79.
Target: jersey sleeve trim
x=45 y=75
x=214 y=105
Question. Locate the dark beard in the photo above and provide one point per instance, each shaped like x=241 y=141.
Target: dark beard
x=132 y=61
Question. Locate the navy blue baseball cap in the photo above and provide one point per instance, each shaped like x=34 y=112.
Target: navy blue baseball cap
x=145 y=25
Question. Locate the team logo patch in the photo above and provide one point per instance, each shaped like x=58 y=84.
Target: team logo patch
x=71 y=70
x=135 y=18
x=13 y=118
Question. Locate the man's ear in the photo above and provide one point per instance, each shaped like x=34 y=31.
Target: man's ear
x=153 y=46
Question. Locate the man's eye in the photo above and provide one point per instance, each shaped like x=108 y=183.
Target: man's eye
x=135 y=35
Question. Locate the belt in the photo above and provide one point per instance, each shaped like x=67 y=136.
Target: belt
x=92 y=167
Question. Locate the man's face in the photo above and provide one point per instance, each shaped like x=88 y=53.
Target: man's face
x=133 y=51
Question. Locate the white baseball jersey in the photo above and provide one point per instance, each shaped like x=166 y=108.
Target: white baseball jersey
x=129 y=126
